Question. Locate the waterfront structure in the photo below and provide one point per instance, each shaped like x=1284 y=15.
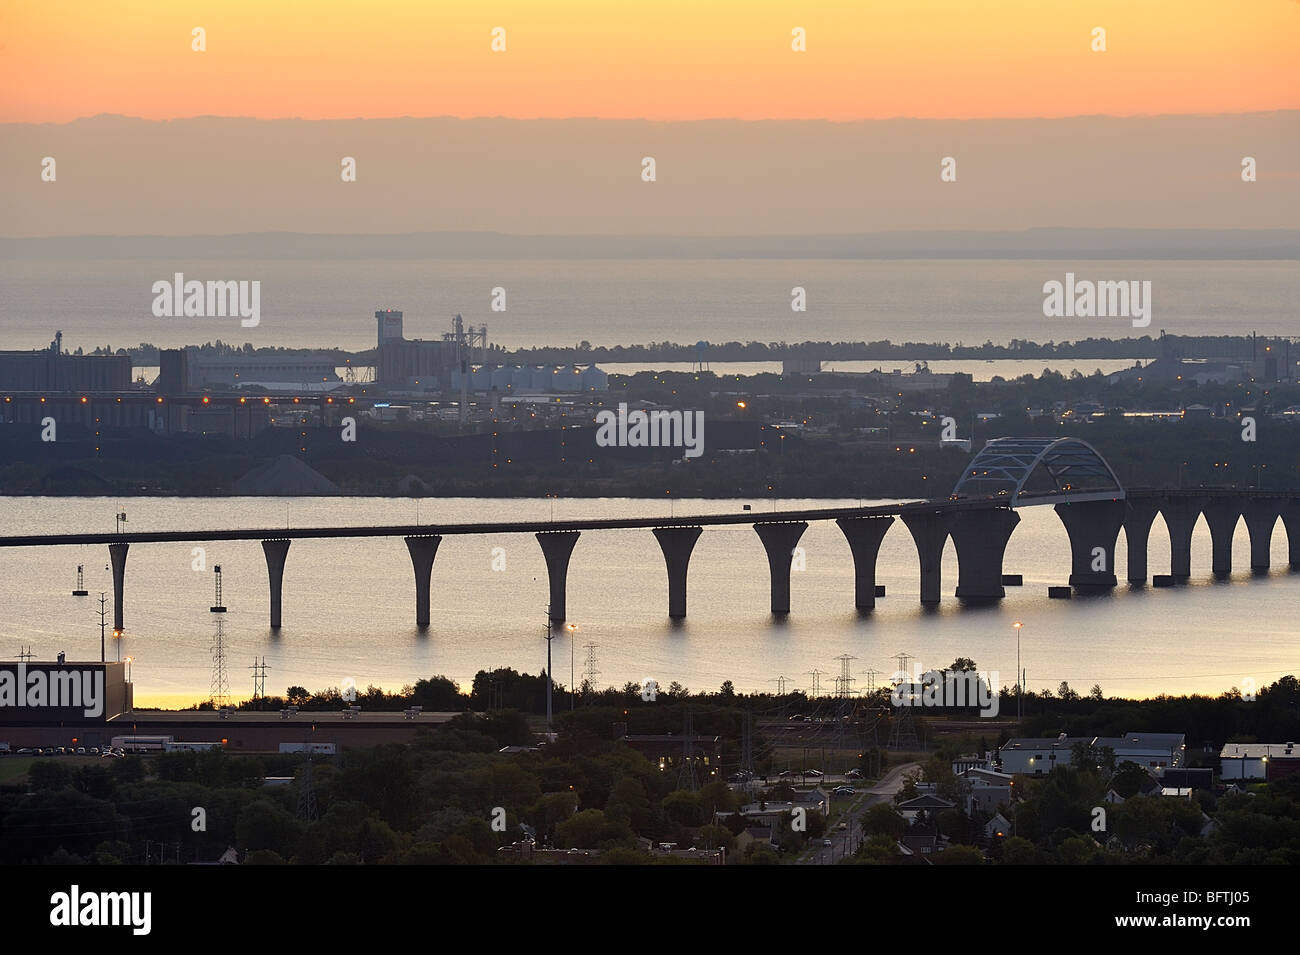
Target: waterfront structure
x=979 y=516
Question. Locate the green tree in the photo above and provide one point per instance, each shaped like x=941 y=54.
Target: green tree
x=264 y=825
x=1128 y=778
x=959 y=855
x=882 y=820
x=1019 y=851
x=45 y=775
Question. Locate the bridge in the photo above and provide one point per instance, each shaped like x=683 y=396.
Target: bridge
x=980 y=516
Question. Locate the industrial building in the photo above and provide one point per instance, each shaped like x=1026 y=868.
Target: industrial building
x=50 y=369
x=43 y=693
x=535 y=379
x=415 y=363
x=301 y=372
x=1243 y=761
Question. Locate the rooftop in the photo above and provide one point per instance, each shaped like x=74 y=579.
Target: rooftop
x=1258 y=750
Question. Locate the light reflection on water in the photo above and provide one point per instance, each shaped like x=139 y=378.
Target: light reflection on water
x=349 y=603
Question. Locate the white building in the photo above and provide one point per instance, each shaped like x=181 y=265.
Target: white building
x=1154 y=751
x=1037 y=757
x=1252 y=760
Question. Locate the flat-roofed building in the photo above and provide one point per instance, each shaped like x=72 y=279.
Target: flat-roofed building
x=1258 y=760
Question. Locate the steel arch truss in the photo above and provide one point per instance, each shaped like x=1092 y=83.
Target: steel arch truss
x=1062 y=470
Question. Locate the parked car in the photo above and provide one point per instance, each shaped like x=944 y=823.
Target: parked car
x=81 y=751
x=61 y=750
x=853 y=774
x=845 y=791
x=94 y=751
x=827 y=843
x=813 y=772
x=25 y=751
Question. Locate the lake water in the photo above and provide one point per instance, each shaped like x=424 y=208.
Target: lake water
x=349 y=604
x=609 y=302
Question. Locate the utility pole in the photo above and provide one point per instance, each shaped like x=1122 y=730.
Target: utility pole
x=572 y=629
x=103 y=625
x=1019 y=684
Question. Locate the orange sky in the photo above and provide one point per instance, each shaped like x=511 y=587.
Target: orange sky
x=667 y=60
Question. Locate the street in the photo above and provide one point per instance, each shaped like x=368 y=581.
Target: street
x=843 y=840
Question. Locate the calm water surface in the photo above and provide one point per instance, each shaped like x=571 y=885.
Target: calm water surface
x=349 y=604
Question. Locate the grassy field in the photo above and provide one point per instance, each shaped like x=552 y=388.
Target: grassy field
x=13 y=768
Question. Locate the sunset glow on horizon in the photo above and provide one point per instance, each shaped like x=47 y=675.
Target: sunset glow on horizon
x=673 y=61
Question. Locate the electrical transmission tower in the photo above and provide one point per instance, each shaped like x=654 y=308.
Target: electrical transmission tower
x=780 y=682
x=25 y=654
x=747 y=753
x=589 y=672
x=902 y=728
x=844 y=682
x=686 y=772
x=259 y=669
x=816 y=681
x=220 y=688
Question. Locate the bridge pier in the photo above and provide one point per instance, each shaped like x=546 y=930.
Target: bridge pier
x=1261 y=515
x=557 y=547
x=117 y=555
x=1180 y=514
x=864 y=535
x=1290 y=512
x=981 y=540
x=1139 y=515
x=422 y=549
x=929 y=532
x=780 y=540
x=677 y=544
x=276 y=551
x=1093 y=526
x=1222 y=516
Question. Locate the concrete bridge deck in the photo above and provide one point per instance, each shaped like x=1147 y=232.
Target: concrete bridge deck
x=1007 y=474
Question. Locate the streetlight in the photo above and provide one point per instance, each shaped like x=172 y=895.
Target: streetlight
x=572 y=628
x=1019 y=688
x=549 y=636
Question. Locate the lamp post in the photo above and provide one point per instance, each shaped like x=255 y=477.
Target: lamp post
x=1019 y=689
x=549 y=635
x=572 y=628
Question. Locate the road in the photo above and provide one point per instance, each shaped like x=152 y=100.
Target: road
x=883 y=791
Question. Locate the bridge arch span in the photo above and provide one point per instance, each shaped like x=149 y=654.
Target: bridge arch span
x=1024 y=471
